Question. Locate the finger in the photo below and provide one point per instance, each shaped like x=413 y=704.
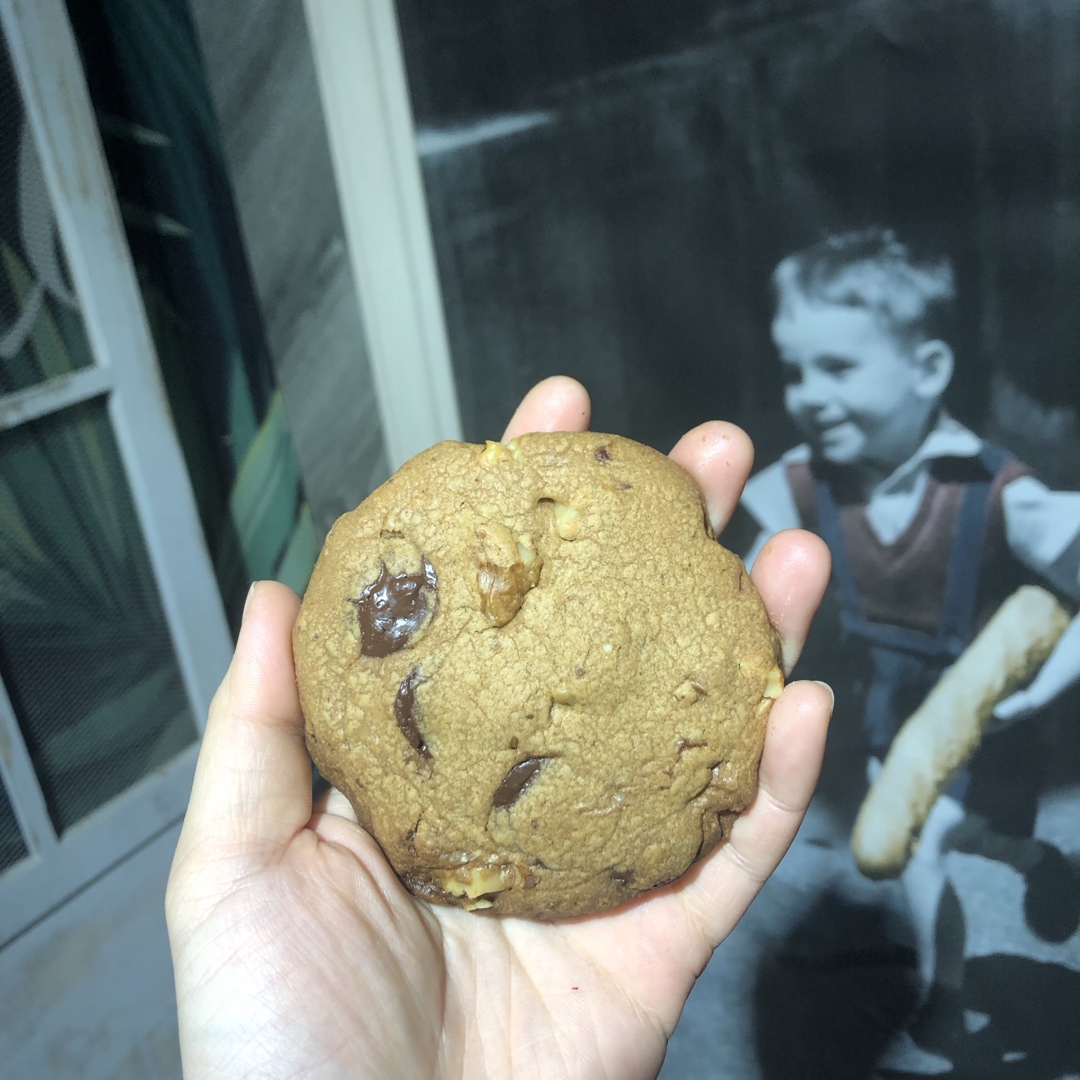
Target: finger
x=791 y=574
x=787 y=775
x=253 y=779
x=333 y=819
x=719 y=457
x=559 y=403
x=1007 y=712
x=335 y=804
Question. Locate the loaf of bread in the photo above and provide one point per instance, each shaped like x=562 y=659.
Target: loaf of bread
x=942 y=735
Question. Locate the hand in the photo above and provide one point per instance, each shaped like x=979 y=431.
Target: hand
x=1060 y=672
x=1017 y=706
x=297 y=952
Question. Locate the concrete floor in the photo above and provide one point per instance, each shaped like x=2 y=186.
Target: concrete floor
x=87 y=994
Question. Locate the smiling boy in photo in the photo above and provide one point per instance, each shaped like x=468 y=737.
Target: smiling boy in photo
x=931 y=528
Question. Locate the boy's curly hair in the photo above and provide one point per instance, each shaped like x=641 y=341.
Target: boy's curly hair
x=911 y=293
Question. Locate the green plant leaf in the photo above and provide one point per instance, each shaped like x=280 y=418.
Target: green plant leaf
x=266 y=495
x=299 y=558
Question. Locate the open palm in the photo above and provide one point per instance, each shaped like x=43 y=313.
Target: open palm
x=297 y=952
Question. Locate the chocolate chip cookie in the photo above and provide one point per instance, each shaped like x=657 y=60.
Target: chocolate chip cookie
x=539 y=680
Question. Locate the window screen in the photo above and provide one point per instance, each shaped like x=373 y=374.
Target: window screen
x=39 y=320
x=12 y=846
x=85 y=651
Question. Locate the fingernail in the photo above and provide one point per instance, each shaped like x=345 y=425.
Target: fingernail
x=247 y=599
x=826 y=686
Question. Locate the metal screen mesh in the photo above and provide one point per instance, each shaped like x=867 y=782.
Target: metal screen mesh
x=39 y=320
x=85 y=652
x=12 y=846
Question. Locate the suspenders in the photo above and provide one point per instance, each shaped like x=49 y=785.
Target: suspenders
x=902 y=656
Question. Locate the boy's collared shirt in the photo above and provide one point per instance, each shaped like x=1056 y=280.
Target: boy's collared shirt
x=1042 y=526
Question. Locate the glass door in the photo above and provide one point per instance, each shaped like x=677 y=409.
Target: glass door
x=112 y=631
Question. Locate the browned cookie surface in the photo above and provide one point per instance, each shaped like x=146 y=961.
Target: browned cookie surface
x=534 y=673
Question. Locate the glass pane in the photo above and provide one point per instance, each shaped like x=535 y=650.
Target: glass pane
x=12 y=845
x=84 y=647
x=164 y=149
x=41 y=330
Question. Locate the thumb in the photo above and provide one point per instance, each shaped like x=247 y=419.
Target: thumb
x=1009 y=710
x=252 y=787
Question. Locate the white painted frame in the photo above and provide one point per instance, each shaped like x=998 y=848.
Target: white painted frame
x=361 y=74
x=49 y=73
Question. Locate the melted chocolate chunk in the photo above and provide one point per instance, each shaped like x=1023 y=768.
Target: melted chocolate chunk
x=393 y=608
x=407 y=712
x=516 y=781
x=602 y=453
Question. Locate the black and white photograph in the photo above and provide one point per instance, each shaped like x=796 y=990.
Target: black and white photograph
x=853 y=229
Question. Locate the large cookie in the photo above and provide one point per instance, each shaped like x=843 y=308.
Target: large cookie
x=539 y=680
